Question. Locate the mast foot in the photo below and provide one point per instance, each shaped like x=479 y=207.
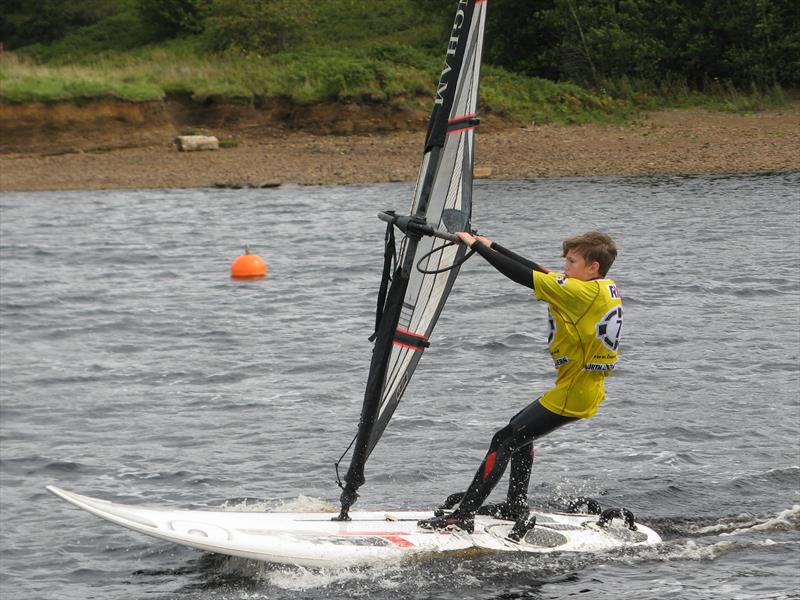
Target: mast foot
x=348 y=498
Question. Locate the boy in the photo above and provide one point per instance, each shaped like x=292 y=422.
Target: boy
x=585 y=322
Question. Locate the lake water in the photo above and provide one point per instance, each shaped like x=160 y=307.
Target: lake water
x=132 y=366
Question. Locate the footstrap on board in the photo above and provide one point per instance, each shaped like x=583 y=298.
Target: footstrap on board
x=623 y=513
x=450 y=502
x=522 y=526
x=592 y=506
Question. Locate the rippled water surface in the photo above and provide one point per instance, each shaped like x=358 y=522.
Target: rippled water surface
x=132 y=366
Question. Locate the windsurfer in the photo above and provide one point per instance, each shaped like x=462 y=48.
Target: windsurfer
x=585 y=314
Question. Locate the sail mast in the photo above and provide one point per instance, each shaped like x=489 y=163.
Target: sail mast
x=414 y=301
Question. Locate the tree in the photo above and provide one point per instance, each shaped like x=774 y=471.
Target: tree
x=170 y=18
x=23 y=23
x=587 y=41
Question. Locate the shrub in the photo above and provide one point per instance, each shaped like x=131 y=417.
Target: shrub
x=170 y=18
x=262 y=26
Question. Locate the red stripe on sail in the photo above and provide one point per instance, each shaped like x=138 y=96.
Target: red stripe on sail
x=416 y=335
x=402 y=345
x=459 y=118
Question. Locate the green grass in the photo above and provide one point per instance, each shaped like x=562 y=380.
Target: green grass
x=23 y=81
x=543 y=101
x=378 y=73
x=389 y=74
x=355 y=23
x=676 y=93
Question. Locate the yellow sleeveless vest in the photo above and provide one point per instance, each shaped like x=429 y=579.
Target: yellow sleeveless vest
x=585 y=326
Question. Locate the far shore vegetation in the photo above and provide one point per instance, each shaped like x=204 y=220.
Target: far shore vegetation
x=566 y=61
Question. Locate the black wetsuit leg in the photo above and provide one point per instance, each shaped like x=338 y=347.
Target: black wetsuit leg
x=533 y=422
x=520 y=476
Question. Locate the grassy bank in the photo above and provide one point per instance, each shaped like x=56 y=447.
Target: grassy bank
x=385 y=74
x=356 y=52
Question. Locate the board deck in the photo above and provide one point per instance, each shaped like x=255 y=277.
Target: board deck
x=313 y=539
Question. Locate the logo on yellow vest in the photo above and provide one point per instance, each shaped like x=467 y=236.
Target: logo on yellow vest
x=609 y=328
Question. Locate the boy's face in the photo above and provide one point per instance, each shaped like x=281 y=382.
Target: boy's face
x=575 y=266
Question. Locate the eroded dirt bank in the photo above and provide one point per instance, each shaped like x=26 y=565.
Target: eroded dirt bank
x=103 y=145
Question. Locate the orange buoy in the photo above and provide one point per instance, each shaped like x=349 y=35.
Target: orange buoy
x=248 y=266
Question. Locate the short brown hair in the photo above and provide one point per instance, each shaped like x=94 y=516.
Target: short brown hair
x=593 y=246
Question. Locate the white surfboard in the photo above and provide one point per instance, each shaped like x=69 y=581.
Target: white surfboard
x=313 y=539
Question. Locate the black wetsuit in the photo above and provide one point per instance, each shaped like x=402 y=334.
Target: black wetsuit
x=514 y=442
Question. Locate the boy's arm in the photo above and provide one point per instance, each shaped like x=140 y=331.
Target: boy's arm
x=503 y=250
x=513 y=269
x=521 y=259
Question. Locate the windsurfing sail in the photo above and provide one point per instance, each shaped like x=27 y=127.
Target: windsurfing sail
x=426 y=269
